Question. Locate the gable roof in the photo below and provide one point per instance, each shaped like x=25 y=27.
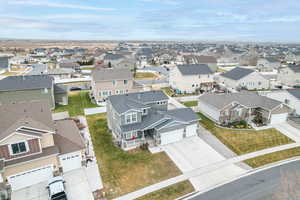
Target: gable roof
x=67 y=137
x=109 y=74
x=295 y=93
x=35 y=115
x=13 y=83
x=206 y=59
x=237 y=73
x=138 y=100
x=272 y=59
x=248 y=99
x=194 y=69
x=111 y=56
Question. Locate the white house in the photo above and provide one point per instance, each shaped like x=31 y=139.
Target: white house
x=188 y=78
x=289 y=75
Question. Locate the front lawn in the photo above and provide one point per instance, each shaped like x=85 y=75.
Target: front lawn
x=170 y=193
x=273 y=157
x=190 y=103
x=78 y=100
x=245 y=141
x=168 y=91
x=123 y=172
x=144 y=75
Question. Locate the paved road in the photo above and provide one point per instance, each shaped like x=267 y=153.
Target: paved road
x=258 y=186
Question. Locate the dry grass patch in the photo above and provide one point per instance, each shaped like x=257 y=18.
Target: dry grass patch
x=169 y=193
x=246 y=141
x=273 y=157
x=145 y=75
x=123 y=172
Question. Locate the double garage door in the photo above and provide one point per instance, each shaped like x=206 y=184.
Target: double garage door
x=35 y=176
x=279 y=118
x=70 y=161
x=179 y=134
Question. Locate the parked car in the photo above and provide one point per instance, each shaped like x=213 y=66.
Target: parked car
x=56 y=188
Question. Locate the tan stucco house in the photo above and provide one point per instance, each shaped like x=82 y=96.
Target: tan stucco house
x=110 y=81
x=33 y=147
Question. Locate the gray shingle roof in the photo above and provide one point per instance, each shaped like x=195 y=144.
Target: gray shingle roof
x=295 y=93
x=110 y=56
x=295 y=68
x=12 y=83
x=125 y=102
x=237 y=73
x=183 y=114
x=4 y=62
x=249 y=99
x=194 y=69
x=272 y=59
x=109 y=74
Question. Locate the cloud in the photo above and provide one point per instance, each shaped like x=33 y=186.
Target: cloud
x=170 y=2
x=56 y=5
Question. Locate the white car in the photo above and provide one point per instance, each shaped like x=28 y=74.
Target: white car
x=56 y=188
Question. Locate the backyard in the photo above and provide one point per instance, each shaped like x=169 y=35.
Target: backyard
x=78 y=100
x=123 y=172
x=145 y=75
x=169 y=193
x=245 y=141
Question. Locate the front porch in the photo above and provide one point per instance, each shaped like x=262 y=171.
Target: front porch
x=148 y=136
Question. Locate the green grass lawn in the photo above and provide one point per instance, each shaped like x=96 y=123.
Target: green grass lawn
x=170 y=193
x=245 y=141
x=123 y=172
x=273 y=157
x=190 y=103
x=145 y=75
x=78 y=100
x=168 y=91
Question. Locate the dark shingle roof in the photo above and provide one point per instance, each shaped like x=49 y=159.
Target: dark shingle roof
x=110 y=56
x=272 y=60
x=295 y=93
x=109 y=74
x=194 y=69
x=237 y=73
x=12 y=83
x=295 y=68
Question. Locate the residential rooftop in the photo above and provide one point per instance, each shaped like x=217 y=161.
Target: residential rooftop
x=237 y=73
x=109 y=74
x=194 y=69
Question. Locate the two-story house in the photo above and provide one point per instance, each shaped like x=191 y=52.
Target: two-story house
x=289 y=75
x=33 y=147
x=14 y=89
x=138 y=118
x=110 y=81
x=191 y=77
x=268 y=64
x=243 y=78
x=244 y=106
x=4 y=64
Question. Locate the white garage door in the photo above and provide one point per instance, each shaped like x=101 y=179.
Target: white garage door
x=70 y=161
x=279 y=118
x=171 y=136
x=191 y=130
x=35 y=176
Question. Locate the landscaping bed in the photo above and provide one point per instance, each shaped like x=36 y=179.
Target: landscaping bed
x=190 y=103
x=123 y=172
x=245 y=141
x=78 y=101
x=170 y=193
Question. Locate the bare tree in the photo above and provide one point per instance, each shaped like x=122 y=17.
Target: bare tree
x=289 y=187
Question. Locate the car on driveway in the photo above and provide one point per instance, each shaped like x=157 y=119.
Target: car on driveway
x=56 y=188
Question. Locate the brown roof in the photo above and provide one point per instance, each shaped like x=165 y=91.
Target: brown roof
x=35 y=114
x=52 y=150
x=67 y=137
x=206 y=59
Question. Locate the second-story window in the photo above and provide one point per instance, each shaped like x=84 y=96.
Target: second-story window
x=18 y=148
x=125 y=82
x=114 y=82
x=131 y=118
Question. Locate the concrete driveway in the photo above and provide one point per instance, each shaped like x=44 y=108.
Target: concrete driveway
x=77 y=188
x=192 y=153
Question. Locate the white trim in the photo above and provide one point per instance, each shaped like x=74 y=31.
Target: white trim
x=18 y=142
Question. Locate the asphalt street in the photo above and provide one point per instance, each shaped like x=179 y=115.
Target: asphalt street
x=259 y=186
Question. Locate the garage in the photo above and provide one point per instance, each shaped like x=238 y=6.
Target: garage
x=70 y=161
x=191 y=130
x=171 y=136
x=279 y=118
x=35 y=176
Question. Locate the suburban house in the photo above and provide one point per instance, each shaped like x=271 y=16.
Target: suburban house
x=268 y=64
x=14 y=89
x=293 y=57
x=143 y=117
x=191 y=78
x=195 y=59
x=4 y=64
x=239 y=78
x=244 y=106
x=289 y=75
x=110 y=81
x=33 y=147
x=69 y=64
x=290 y=97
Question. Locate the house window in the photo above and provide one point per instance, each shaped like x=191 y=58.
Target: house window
x=125 y=82
x=193 y=85
x=18 y=148
x=131 y=135
x=145 y=111
x=114 y=82
x=131 y=118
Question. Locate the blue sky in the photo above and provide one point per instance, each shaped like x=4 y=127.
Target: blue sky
x=232 y=20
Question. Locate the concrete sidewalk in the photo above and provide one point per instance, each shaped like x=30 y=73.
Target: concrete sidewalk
x=203 y=171
x=289 y=131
